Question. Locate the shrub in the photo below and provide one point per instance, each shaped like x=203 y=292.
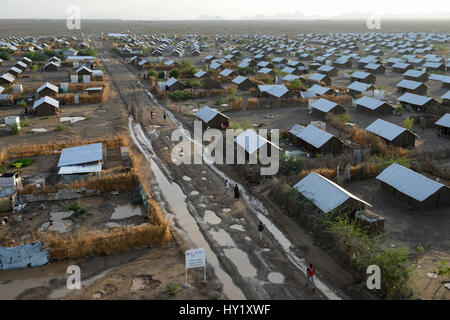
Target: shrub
x=61 y=127
x=88 y=52
x=174 y=73
x=21 y=163
x=408 y=123
x=14 y=129
x=179 y=95
x=77 y=207
x=152 y=73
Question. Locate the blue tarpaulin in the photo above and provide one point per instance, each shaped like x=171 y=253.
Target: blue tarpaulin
x=27 y=255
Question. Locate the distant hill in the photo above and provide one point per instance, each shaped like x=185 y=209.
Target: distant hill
x=348 y=16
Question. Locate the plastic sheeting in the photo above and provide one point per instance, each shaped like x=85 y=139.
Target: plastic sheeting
x=23 y=256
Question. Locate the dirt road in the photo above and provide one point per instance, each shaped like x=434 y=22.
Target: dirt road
x=194 y=197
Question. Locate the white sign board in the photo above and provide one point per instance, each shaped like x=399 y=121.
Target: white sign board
x=195 y=258
x=86 y=78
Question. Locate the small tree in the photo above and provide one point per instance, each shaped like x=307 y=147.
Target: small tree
x=408 y=123
x=174 y=72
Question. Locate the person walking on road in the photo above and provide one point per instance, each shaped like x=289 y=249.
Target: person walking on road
x=227 y=188
x=310 y=272
x=164 y=116
x=260 y=230
x=236 y=192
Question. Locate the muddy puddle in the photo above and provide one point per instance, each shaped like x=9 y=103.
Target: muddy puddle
x=211 y=218
x=275 y=277
x=126 y=211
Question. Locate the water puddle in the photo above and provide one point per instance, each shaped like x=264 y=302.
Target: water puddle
x=226 y=210
x=211 y=218
x=195 y=193
x=222 y=238
x=59 y=222
x=186 y=178
x=71 y=119
x=113 y=225
x=39 y=130
x=240 y=260
x=276 y=277
x=237 y=227
x=126 y=211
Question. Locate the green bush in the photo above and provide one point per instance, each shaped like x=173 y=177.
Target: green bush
x=25 y=122
x=179 y=95
x=152 y=73
x=61 y=127
x=77 y=208
x=21 y=163
x=88 y=52
x=174 y=73
x=14 y=129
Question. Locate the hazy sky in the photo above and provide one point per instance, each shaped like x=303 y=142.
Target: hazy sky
x=191 y=9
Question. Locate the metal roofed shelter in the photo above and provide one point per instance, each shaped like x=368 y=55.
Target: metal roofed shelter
x=392 y=133
x=212 y=118
x=46 y=106
x=319 y=90
x=416 y=189
x=416 y=101
x=251 y=142
x=444 y=124
x=47 y=89
x=319 y=77
x=365 y=77
x=416 y=75
x=357 y=87
x=412 y=87
x=317 y=141
x=173 y=84
x=80 y=162
x=322 y=107
x=373 y=106
x=327 y=195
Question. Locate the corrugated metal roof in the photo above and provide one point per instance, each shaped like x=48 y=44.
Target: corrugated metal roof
x=47 y=85
x=207 y=114
x=296 y=129
x=409 y=182
x=359 y=86
x=78 y=169
x=290 y=77
x=199 y=74
x=325 y=194
x=444 y=121
x=409 y=84
x=318 y=89
x=370 y=103
x=446 y=95
x=317 y=76
x=81 y=155
x=360 y=75
x=239 y=79
x=413 y=99
x=413 y=73
x=226 y=72
x=171 y=82
x=251 y=141
x=314 y=136
x=48 y=100
x=385 y=129
x=324 y=105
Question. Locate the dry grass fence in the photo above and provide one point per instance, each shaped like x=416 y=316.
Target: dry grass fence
x=102 y=242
